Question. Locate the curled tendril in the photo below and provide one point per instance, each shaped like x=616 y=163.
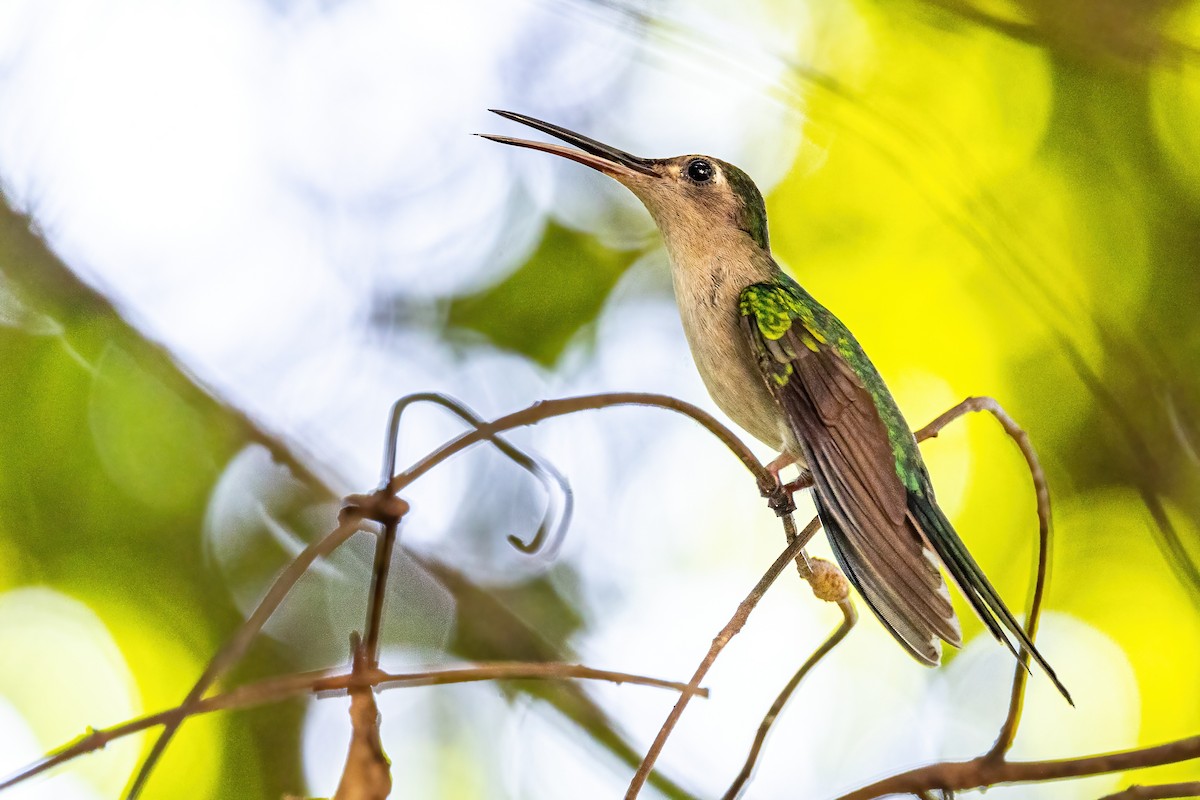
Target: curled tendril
x=560 y=501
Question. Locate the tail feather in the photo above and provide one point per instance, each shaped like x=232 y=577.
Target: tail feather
x=909 y=614
x=978 y=590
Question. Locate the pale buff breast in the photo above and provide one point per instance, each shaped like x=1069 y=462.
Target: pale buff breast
x=708 y=306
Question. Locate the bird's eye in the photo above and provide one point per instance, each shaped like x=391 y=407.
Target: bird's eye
x=700 y=170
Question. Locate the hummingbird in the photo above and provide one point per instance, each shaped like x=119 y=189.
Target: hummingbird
x=787 y=370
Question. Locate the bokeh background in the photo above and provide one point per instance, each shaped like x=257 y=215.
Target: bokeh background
x=232 y=226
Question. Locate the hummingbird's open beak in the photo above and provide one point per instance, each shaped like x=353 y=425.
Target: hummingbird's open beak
x=608 y=160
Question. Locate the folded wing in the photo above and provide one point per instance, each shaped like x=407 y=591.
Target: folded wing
x=861 y=499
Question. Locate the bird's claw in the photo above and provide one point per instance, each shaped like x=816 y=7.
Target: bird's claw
x=779 y=499
x=780 y=495
x=781 y=503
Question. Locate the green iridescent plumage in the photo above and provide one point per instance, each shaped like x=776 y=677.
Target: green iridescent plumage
x=776 y=305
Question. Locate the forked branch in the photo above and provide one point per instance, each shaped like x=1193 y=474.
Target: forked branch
x=384 y=507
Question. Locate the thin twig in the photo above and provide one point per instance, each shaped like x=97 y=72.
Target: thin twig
x=378 y=592
x=849 y=617
x=1008 y=730
x=791 y=553
x=789 y=532
x=983 y=772
x=548 y=409
x=528 y=416
x=1157 y=792
x=327 y=681
x=236 y=647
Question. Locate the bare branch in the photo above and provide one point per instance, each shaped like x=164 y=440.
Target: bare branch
x=234 y=650
x=386 y=508
x=793 y=551
x=984 y=772
x=550 y=530
x=548 y=409
x=544 y=472
x=379 y=578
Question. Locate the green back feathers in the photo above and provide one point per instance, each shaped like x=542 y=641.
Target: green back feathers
x=772 y=307
x=782 y=302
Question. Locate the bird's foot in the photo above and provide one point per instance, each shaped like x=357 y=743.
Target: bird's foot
x=779 y=494
x=803 y=481
x=785 y=459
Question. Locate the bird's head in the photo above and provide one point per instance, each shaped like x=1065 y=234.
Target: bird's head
x=695 y=200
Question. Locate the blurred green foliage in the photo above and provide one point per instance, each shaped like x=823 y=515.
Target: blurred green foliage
x=539 y=308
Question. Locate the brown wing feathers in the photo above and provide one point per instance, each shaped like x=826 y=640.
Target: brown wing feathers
x=862 y=502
